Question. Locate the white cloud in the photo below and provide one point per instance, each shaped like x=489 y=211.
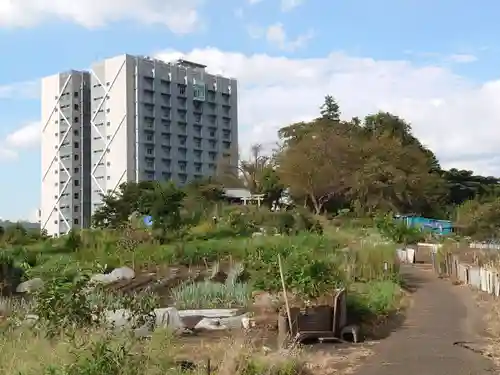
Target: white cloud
x=180 y=16
x=455 y=117
x=457 y=58
x=463 y=58
x=26 y=137
x=21 y=90
x=7 y=154
x=255 y=32
x=288 y=5
x=277 y=36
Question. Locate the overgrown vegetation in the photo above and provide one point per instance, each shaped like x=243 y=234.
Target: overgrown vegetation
x=356 y=174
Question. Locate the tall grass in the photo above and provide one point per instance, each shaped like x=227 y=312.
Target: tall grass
x=25 y=352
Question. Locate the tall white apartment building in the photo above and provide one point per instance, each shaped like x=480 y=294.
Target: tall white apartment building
x=65 y=141
x=147 y=120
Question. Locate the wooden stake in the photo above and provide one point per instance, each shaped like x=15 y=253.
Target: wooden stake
x=285 y=295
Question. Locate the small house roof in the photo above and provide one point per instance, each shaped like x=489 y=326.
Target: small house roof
x=237 y=193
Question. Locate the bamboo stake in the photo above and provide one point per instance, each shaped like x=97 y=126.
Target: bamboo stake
x=288 y=314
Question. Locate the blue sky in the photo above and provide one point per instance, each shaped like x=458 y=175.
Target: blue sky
x=434 y=63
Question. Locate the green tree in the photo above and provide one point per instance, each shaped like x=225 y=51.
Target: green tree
x=316 y=167
x=165 y=203
x=117 y=207
x=463 y=185
x=480 y=220
x=384 y=124
x=330 y=109
x=393 y=177
x=272 y=187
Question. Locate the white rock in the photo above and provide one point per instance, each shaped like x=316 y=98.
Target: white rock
x=119 y=318
x=101 y=278
x=30 y=286
x=123 y=273
x=30 y=320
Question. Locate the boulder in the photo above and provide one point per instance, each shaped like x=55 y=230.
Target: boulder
x=123 y=273
x=30 y=286
x=118 y=274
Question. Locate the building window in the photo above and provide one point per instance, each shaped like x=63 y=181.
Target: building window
x=77 y=182
x=76 y=145
x=149 y=151
x=76 y=94
x=76 y=132
x=76 y=120
x=199 y=91
x=76 y=208
x=75 y=221
x=76 y=107
x=76 y=196
x=76 y=157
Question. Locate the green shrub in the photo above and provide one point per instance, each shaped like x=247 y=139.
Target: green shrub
x=374 y=299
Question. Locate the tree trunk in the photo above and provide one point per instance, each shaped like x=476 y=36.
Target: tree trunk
x=317 y=206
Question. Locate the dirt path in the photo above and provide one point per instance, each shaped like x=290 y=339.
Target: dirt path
x=440 y=316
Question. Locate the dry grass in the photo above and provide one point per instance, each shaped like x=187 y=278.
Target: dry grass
x=27 y=352
x=338 y=360
x=491 y=318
